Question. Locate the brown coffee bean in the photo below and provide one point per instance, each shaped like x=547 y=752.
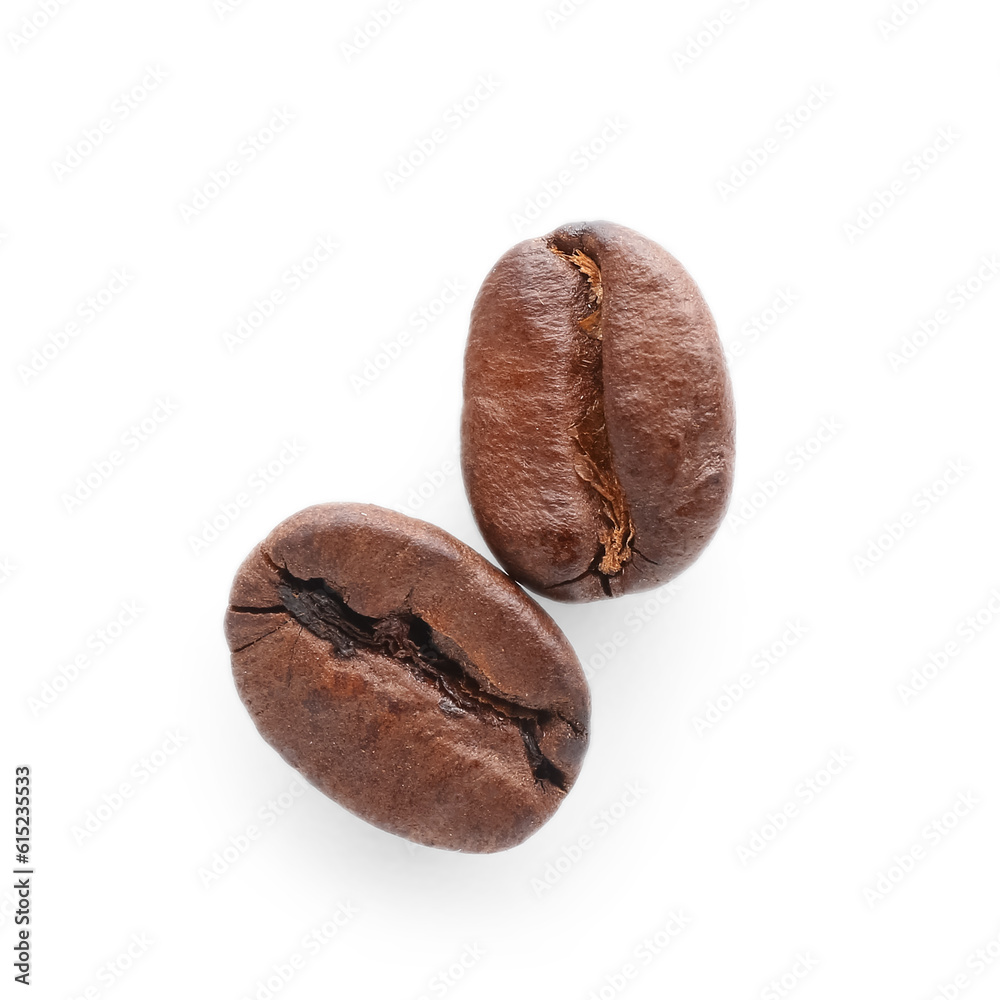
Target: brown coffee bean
x=598 y=425
x=407 y=678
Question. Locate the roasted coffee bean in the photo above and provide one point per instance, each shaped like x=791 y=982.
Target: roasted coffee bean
x=407 y=678
x=598 y=425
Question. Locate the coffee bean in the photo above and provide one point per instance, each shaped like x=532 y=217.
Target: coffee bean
x=407 y=678
x=598 y=425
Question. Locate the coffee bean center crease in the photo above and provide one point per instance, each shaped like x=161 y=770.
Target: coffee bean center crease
x=594 y=462
x=408 y=639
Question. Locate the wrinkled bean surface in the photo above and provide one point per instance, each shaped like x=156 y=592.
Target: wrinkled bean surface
x=406 y=677
x=598 y=422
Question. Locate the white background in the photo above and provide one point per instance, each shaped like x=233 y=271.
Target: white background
x=566 y=913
